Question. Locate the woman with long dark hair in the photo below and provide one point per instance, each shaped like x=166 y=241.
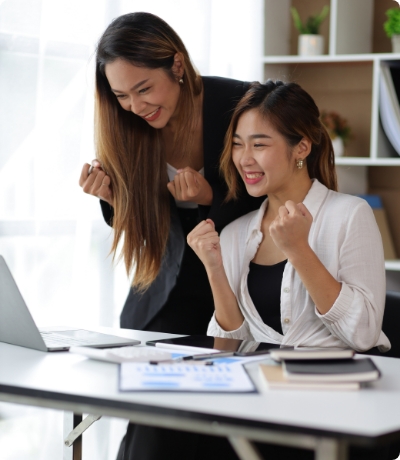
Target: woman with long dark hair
x=159 y=131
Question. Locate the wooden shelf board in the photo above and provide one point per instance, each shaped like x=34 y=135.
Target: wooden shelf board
x=366 y=161
x=392 y=265
x=329 y=58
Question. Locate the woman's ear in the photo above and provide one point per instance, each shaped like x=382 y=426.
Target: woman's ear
x=303 y=148
x=178 y=66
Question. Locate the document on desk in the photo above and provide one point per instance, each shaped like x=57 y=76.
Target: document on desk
x=183 y=377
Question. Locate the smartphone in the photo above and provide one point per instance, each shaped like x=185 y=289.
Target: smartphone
x=240 y=347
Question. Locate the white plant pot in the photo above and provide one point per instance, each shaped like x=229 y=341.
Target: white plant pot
x=396 y=43
x=310 y=45
x=338 y=146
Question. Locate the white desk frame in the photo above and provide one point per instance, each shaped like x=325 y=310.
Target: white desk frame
x=71 y=383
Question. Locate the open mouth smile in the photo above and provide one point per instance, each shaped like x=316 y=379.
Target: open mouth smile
x=252 y=178
x=153 y=115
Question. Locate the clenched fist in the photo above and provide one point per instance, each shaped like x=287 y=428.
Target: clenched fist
x=95 y=181
x=204 y=241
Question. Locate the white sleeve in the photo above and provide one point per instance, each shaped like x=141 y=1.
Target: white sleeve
x=357 y=314
x=230 y=238
x=242 y=333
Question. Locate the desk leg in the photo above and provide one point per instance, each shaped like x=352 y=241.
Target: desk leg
x=331 y=449
x=244 y=448
x=70 y=422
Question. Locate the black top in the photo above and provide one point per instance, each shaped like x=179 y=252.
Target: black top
x=264 y=284
x=141 y=310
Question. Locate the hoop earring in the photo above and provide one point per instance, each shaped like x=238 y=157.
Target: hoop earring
x=299 y=163
x=180 y=81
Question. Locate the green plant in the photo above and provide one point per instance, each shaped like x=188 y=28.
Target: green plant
x=392 y=25
x=336 y=125
x=312 y=24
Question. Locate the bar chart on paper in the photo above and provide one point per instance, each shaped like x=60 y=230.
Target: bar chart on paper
x=185 y=377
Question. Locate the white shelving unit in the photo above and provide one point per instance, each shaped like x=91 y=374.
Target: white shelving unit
x=346 y=80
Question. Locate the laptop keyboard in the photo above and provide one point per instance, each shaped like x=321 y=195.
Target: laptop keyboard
x=52 y=339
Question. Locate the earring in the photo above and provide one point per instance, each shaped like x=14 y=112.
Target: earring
x=180 y=81
x=299 y=163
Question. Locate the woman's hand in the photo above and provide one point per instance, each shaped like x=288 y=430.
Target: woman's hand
x=204 y=241
x=290 y=231
x=95 y=181
x=290 y=228
x=189 y=185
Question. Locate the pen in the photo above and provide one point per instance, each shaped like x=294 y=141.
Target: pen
x=180 y=360
x=221 y=354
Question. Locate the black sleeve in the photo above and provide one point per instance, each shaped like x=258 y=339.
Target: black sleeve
x=108 y=212
x=221 y=96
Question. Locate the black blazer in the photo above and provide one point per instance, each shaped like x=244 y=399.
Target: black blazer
x=220 y=98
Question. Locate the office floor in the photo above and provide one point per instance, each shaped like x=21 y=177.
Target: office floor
x=28 y=433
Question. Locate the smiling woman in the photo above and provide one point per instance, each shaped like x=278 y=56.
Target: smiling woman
x=154 y=95
x=159 y=136
x=307 y=268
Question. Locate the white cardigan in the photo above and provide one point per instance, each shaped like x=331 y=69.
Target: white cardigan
x=345 y=237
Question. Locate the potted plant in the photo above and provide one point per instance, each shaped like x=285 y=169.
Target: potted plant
x=338 y=129
x=310 y=42
x=392 y=28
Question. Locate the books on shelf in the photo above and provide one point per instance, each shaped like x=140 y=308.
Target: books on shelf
x=319 y=374
x=389 y=103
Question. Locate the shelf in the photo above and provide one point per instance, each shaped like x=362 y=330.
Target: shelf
x=345 y=88
x=329 y=58
x=392 y=265
x=364 y=161
x=353 y=27
x=346 y=79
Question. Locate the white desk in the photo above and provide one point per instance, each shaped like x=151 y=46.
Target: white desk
x=325 y=422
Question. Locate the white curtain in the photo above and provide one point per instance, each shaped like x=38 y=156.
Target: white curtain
x=51 y=234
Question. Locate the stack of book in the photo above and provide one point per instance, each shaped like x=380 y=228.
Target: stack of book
x=317 y=370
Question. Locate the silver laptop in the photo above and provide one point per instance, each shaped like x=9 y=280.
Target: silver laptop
x=18 y=328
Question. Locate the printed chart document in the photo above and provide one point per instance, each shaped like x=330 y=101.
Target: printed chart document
x=219 y=377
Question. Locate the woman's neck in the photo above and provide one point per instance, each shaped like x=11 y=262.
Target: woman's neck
x=295 y=192
x=194 y=156
x=172 y=127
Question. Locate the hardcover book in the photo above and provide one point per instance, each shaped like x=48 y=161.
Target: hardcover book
x=342 y=370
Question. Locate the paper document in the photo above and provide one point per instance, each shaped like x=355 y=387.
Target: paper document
x=220 y=377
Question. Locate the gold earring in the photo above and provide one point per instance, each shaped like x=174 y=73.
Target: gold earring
x=299 y=163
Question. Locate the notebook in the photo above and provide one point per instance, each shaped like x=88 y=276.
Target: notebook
x=273 y=378
x=17 y=326
x=304 y=354
x=341 y=370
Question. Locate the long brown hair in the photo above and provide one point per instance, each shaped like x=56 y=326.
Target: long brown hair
x=130 y=150
x=294 y=114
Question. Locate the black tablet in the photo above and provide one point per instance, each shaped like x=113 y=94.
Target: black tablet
x=240 y=347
